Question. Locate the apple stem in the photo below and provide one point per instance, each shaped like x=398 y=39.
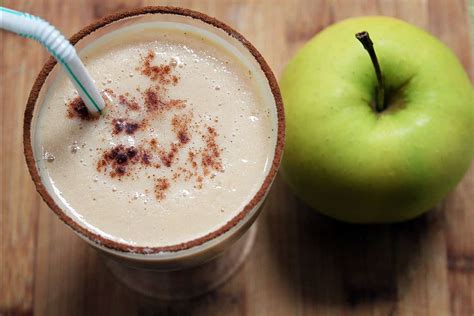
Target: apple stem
x=364 y=38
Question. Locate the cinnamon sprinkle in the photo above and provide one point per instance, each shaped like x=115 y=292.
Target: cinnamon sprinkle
x=155 y=102
x=124 y=125
x=122 y=161
x=129 y=103
x=154 y=144
x=180 y=124
x=161 y=73
x=191 y=156
x=146 y=158
x=168 y=157
x=211 y=153
x=77 y=109
x=152 y=100
x=161 y=186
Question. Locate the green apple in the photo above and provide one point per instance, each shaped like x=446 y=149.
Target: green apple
x=356 y=163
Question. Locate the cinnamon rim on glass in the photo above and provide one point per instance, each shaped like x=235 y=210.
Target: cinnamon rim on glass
x=123 y=247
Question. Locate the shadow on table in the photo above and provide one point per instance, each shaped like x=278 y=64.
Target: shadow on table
x=317 y=260
x=335 y=263
x=108 y=296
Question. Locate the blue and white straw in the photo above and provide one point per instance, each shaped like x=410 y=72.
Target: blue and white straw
x=30 y=26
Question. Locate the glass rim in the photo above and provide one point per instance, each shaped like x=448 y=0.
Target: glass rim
x=123 y=247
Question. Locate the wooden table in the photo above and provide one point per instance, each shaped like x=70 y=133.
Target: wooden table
x=302 y=263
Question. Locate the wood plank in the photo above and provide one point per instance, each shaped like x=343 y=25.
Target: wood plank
x=458 y=206
x=18 y=219
x=302 y=263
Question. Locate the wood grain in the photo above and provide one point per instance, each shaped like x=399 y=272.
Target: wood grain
x=302 y=263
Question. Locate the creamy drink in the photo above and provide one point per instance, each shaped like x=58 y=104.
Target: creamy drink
x=185 y=142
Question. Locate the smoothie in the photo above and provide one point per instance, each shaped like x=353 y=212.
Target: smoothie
x=185 y=142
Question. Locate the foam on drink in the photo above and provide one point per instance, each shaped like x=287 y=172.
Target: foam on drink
x=185 y=142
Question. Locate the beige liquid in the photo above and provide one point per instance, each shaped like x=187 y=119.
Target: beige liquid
x=203 y=146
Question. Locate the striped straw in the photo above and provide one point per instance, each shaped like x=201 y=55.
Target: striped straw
x=30 y=26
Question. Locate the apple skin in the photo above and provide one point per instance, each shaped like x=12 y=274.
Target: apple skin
x=354 y=164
